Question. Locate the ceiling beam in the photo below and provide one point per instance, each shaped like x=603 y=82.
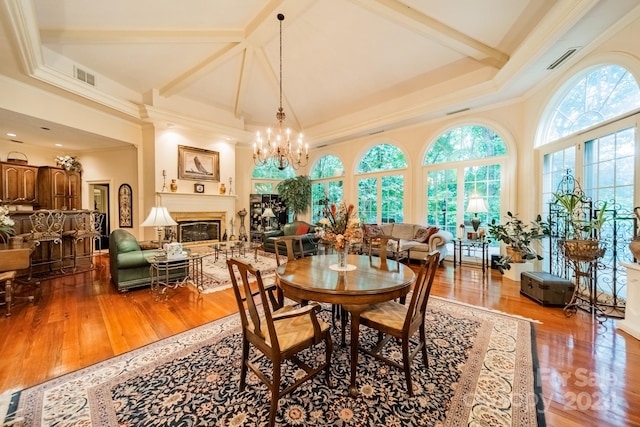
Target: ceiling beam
x=260 y=29
x=274 y=83
x=242 y=84
x=436 y=30
x=202 y=69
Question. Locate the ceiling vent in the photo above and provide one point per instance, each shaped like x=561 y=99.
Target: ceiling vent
x=85 y=76
x=457 y=111
x=555 y=64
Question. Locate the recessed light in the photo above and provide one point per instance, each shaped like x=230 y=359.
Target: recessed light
x=11 y=134
x=58 y=145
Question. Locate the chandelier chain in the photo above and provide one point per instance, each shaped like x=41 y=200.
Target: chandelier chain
x=277 y=148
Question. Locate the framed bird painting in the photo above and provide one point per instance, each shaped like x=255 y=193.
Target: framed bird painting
x=198 y=164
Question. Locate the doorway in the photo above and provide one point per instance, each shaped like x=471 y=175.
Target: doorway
x=100 y=202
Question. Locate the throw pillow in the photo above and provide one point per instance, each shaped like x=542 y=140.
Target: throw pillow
x=424 y=233
x=372 y=230
x=302 y=229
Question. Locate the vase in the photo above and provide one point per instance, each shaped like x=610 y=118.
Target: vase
x=223 y=189
x=342 y=257
x=173 y=186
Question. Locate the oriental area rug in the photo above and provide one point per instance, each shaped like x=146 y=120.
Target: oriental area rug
x=481 y=372
x=216 y=274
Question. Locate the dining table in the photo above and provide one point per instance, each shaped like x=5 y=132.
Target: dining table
x=364 y=281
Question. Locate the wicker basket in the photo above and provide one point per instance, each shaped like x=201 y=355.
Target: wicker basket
x=582 y=250
x=515 y=255
x=17 y=157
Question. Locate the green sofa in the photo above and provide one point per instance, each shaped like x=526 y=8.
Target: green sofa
x=129 y=267
x=309 y=241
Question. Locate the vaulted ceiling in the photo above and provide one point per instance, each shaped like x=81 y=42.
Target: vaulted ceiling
x=350 y=67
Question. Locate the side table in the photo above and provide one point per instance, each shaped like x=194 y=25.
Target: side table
x=161 y=269
x=471 y=245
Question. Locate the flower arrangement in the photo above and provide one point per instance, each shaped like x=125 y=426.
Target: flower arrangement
x=6 y=224
x=69 y=163
x=341 y=226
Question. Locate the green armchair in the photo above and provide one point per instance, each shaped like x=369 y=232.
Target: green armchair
x=295 y=228
x=129 y=267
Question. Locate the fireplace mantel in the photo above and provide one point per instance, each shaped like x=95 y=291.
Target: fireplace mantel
x=222 y=206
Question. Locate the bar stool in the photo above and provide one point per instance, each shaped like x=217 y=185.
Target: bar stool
x=46 y=227
x=87 y=227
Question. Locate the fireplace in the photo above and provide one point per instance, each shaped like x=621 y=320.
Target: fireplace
x=197 y=231
x=199 y=227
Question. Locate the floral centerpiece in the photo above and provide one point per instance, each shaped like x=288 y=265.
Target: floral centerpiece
x=69 y=163
x=6 y=224
x=341 y=227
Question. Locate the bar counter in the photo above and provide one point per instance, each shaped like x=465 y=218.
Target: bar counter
x=46 y=251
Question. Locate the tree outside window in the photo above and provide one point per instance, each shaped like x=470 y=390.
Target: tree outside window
x=381 y=187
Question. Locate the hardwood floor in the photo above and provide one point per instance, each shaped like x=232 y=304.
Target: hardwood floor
x=589 y=371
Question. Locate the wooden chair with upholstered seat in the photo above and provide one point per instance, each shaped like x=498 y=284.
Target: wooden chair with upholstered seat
x=278 y=335
x=395 y=320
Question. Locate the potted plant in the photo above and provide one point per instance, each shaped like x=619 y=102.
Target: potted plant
x=296 y=194
x=519 y=238
x=582 y=240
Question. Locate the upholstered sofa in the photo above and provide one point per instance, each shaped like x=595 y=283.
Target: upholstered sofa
x=299 y=228
x=129 y=267
x=419 y=239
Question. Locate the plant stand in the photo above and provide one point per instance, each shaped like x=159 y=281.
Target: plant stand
x=583 y=256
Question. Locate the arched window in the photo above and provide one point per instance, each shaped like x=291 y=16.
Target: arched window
x=590 y=134
x=326 y=184
x=462 y=163
x=266 y=177
x=598 y=95
x=381 y=185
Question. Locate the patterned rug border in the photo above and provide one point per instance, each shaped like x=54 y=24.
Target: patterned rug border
x=131 y=363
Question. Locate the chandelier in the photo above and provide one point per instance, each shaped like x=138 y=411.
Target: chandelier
x=277 y=146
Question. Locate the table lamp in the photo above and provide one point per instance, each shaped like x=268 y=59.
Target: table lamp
x=268 y=213
x=158 y=217
x=476 y=205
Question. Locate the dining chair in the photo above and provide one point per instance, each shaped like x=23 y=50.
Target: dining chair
x=287 y=248
x=290 y=247
x=395 y=320
x=279 y=335
x=383 y=246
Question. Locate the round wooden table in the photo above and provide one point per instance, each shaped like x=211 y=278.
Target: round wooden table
x=373 y=280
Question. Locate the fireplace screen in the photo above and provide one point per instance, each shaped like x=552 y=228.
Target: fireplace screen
x=195 y=231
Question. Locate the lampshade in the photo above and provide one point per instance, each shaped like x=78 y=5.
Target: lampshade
x=159 y=216
x=268 y=213
x=477 y=204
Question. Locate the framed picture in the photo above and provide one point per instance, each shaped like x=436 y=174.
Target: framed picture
x=198 y=188
x=125 y=206
x=198 y=164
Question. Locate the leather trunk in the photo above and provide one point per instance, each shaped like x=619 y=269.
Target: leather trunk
x=546 y=289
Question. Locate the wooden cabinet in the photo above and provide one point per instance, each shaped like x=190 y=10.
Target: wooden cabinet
x=59 y=188
x=18 y=183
